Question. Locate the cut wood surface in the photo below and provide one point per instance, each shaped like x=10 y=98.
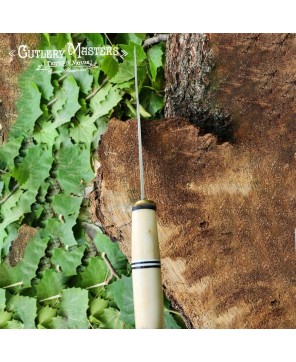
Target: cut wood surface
x=226 y=208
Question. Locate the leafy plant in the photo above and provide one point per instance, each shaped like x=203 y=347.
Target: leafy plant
x=46 y=164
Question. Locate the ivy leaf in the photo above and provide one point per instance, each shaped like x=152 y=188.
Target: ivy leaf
x=109 y=66
x=74 y=170
x=71 y=106
x=66 y=205
x=9 y=150
x=84 y=130
x=122 y=292
x=97 y=306
x=30 y=176
x=140 y=53
x=68 y=260
x=41 y=78
x=57 y=228
x=115 y=255
x=14 y=324
x=110 y=319
x=5 y=317
x=125 y=73
x=154 y=55
x=94 y=273
x=51 y=284
x=45 y=316
x=72 y=310
x=28 y=109
x=25 y=270
x=23 y=308
x=84 y=80
x=100 y=106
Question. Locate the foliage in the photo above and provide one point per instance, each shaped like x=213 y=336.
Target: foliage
x=46 y=164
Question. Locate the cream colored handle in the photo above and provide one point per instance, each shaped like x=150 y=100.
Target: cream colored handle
x=146 y=274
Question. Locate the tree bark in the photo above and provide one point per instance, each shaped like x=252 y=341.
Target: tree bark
x=10 y=70
x=226 y=200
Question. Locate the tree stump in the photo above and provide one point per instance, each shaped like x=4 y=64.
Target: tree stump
x=226 y=200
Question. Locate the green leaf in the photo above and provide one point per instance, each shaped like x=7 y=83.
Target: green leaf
x=51 y=284
x=72 y=310
x=84 y=130
x=125 y=73
x=68 y=260
x=2 y=299
x=122 y=292
x=155 y=54
x=97 y=306
x=95 y=273
x=30 y=176
x=115 y=255
x=14 y=324
x=66 y=205
x=25 y=270
x=57 y=228
x=71 y=106
x=134 y=37
x=45 y=316
x=9 y=150
x=169 y=321
x=25 y=309
x=41 y=78
x=140 y=53
x=5 y=317
x=110 y=319
x=74 y=170
x=109 y=66
x=84 y=80
x=105 y=100
x=28 y=109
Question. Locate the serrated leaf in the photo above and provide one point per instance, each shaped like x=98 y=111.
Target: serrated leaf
x=25 y=270
x=51 y=284
x=84 y=130
x=115 y=255
x=72 y=310
x=97 y=306
x=45 y=316
x=84 y=80
x=125 y=73
x=56 y=228
x=74 y=170
x=68 y=260
x=9 y=150
x=109 y=66
x=102 y=106
x=25 y=309
x=110 y=319
x=14 y=324
x=129 y=48
x=28 y=109
x=122 y=292
x=30 y=176
x=41 y=78
x=95 y=273
x=71 y=106
x=67 y=205
x=154 y=55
